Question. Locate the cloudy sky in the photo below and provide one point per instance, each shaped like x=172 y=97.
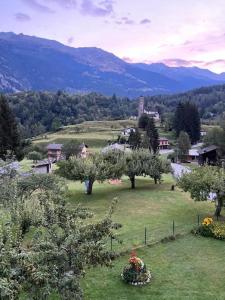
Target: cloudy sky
x=177 y=32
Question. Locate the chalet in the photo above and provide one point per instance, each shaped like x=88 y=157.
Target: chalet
x=193 y=155
x=54 y=152
x=163 y=143
x=43 y=167
x=208 y=155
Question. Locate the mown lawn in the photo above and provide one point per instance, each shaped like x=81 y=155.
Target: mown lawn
x=149 y=205
x=189 y=268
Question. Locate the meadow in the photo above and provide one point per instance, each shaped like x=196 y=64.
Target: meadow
x=188 y=267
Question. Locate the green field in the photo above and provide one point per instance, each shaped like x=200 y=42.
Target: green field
x=187 y=268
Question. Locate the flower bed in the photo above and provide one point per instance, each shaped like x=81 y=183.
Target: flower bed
x=136 y=272
x=211 y=228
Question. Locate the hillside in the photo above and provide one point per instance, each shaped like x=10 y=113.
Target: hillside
x=39 y=112
x=31 y=63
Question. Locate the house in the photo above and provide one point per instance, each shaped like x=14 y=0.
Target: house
x=116 y=147
x=208 y=155
x=193 y=155
x=42 y=167
x=203 y=133
x=127 y=131
x=54 y=152
x=163 y=143
x=83 y=150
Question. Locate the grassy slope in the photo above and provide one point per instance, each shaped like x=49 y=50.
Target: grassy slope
x=150 y=205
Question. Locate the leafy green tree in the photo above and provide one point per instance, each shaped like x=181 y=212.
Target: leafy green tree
x=153 y=135
x=202 y=181
x=62 y=244
x=34 y=155
x=70 y=148
x=10 y=141
x=155 y=167
x=94 y=167
x=184 y=144
x=134 y=164
x=135 y=139
x=143 y=121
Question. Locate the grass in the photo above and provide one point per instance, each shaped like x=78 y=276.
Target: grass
x=188 y=268
x=149 y=205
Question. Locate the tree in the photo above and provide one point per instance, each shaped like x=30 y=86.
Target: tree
x=134 y=139
x=10 y=141
x=153 y=135
x=134 y=164
x=34 y=155
x=187 y=119
x=145 y=144
x=183 y=144
x=95 y=167
x=155 y=167
x=143 y=121
x=62 y=243
x=202 y=181
x=70 y=148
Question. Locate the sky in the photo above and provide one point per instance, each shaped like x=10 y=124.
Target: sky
x=175 y=32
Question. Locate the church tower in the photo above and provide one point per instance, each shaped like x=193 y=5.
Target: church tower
x=141 y=106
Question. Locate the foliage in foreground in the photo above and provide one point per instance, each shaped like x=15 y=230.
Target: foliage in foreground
x=44 y=245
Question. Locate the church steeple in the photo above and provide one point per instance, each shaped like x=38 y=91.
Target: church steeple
x=141 y=106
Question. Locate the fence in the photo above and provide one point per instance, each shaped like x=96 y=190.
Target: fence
x=149 y=235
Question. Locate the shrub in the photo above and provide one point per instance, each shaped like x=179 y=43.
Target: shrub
x=209 y=228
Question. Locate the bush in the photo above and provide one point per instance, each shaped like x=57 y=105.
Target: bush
x=209 y=228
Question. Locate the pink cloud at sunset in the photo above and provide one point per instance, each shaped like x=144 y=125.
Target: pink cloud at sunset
x=178 y=33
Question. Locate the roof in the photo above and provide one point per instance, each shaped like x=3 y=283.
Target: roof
x=42 y=163
x=115 y=146
x=163 y=139
x=208 y=149
x=193 y=152
x=54 y=147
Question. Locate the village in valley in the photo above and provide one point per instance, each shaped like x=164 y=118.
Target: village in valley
x=112 y=150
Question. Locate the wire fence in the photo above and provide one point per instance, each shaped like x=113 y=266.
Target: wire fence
x=150 y=235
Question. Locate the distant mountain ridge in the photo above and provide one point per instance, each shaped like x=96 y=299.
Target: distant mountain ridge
x=32 y=63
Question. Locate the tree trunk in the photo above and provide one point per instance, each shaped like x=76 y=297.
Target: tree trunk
x=89 y=188
x=219 y=207
x=132 y=180
x=155 y=180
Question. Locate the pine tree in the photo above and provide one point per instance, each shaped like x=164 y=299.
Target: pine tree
x=153 y=135
x=143 y=121
x=10 y=142
x=184 y=144
x=187 y=119
x=134 y=139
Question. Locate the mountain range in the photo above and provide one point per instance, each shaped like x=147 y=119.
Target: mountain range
x=32 y=63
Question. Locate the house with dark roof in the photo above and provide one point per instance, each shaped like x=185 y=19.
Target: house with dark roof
x=54 y=152
x=208 y=155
